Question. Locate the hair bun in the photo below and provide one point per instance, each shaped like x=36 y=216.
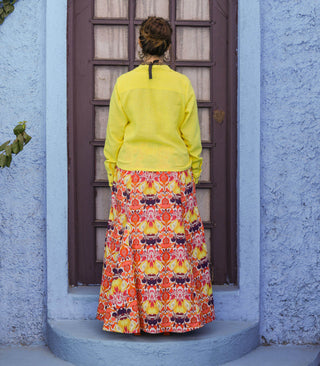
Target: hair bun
x=155 y=36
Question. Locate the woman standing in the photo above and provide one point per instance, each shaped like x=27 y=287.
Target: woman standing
x=156 y=275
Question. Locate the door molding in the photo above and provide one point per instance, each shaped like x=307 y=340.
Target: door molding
x=232 y=303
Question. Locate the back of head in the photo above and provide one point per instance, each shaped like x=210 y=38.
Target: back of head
x=155 y=36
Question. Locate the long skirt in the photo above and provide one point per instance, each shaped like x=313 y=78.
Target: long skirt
x=156 y=273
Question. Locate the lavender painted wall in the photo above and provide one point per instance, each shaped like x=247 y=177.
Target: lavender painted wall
x=22 y=186
x=290 y=171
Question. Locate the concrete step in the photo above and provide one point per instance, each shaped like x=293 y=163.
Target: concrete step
x=83 y=342
x=276 y=355
x=35 y=355
x=288 y=355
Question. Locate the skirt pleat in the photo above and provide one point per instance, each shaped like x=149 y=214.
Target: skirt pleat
x=156 y=273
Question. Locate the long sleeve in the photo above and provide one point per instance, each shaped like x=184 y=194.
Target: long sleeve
x=117 y=122
x=190 y=132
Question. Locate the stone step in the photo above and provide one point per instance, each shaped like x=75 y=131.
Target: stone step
x=33 y=355
x=83 y=342
x=280 y=355
x=275 y=355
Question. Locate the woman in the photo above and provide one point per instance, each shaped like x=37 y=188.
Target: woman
x=156 y=275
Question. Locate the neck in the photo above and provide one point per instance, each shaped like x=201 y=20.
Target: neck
x=150 y=59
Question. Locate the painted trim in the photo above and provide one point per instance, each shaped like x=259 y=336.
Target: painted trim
x=56 y=155
x=240 y=303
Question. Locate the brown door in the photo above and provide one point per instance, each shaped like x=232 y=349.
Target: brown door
x=102 y=44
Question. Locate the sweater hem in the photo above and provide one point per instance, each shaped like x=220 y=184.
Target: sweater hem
x=144 y=169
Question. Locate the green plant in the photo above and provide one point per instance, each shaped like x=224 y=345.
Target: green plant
x=6 y=8
x=7 y=149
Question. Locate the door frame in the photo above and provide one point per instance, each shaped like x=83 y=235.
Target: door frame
x=232 y=303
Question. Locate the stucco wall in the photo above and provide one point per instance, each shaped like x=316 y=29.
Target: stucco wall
x=290 y=174
x=22 y=186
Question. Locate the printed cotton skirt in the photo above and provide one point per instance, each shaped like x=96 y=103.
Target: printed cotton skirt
x=156 y=273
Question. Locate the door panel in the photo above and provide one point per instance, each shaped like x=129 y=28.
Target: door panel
x=193 y=10
x=204 y=121
x=193 y=43
x=110 y=8
x=111 y=41
x=104 y=79
x=100 y=121
x=145 y=8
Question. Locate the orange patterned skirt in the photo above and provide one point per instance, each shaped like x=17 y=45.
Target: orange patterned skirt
x=156 y=275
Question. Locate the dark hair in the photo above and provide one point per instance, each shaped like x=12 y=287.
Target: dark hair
x=155 y=36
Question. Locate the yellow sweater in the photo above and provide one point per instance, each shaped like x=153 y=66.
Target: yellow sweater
x=153 y=123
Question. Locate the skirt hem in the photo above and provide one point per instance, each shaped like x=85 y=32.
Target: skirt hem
x=165 y=330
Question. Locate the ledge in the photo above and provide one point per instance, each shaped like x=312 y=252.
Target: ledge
x=83 y=342
x=284 y=355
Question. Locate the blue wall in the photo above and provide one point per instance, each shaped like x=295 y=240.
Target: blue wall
x=22 y=186
x=290 y=174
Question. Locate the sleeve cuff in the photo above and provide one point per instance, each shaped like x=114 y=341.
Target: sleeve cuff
x=110 y=168
x=196 y=170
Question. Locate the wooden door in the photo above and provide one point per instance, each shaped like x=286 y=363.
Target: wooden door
x=102 y=44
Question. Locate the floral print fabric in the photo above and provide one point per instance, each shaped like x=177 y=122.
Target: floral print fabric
x=155 y=275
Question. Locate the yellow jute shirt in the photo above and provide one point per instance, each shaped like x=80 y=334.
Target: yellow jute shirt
x=153 y=123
